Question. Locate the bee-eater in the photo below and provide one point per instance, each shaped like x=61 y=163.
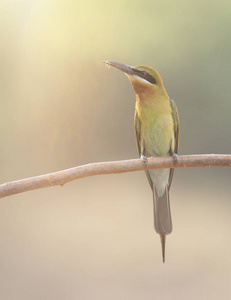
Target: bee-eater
x=157 y=134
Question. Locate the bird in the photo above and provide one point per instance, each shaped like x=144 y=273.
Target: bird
x=157 y=130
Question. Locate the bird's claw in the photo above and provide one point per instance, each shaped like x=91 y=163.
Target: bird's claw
x=144 y=159
x=175 y=158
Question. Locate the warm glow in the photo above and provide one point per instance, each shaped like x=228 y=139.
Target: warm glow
x=62 y=107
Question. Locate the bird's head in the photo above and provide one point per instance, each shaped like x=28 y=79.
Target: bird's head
x=145 y=80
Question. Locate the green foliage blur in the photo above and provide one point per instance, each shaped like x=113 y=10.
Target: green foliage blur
x=61 y=107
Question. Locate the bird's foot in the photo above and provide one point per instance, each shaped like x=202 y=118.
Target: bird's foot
x=144 y=159
x=175 y=158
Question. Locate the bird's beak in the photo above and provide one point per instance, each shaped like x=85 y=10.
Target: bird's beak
x=124 y=68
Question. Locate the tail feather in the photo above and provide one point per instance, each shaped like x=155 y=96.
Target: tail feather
x=162 y=216
x=163 y=241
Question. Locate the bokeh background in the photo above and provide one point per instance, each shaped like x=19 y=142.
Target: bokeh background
x=61 y=107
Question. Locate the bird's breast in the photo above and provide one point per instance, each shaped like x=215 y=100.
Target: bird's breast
x=157 y=128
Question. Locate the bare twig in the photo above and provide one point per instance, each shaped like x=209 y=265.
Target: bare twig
x=115 y=167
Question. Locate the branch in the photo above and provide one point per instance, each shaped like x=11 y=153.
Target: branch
x=115 y=167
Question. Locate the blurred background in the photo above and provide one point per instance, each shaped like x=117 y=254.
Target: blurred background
x=61 y=107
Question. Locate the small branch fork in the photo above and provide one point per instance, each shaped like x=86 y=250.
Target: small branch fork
x=115 y=167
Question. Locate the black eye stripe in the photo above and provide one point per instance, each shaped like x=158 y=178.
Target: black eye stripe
x=146 y=76
x=149 y=78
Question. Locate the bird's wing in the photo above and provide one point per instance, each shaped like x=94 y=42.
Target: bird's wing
x=176 y=125
x=137 y=136
x=176 y=133
x=137 y=132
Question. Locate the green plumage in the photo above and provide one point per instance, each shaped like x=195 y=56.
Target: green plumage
x=157 y=134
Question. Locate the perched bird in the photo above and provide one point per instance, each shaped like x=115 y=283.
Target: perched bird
x=157 y=134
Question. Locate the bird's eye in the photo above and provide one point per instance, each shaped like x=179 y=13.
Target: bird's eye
x=143 y=73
